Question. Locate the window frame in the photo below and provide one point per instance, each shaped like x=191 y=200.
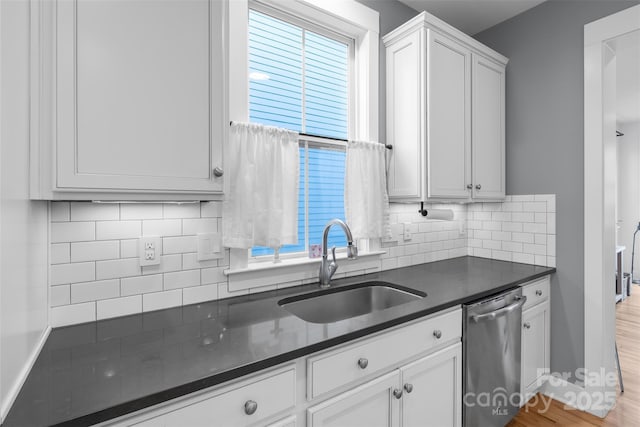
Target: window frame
x=348 y=18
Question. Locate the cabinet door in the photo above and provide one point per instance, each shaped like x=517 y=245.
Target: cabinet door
x=448 y=118
x=488 y=152
x=405 y=118
x=140 y=95
x=371 y=405
x=433 y=389
x=535 y=347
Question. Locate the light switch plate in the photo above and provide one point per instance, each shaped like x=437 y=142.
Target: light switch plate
x=407 y=231
x=209 y=246
x=149 y=250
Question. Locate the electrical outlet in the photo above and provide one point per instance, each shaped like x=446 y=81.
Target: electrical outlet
x=149 y=250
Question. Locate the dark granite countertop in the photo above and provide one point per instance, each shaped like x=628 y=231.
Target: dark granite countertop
x=97 y=371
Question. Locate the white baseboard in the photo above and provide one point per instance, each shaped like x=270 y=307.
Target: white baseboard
x=575 y=396
x=6 y=404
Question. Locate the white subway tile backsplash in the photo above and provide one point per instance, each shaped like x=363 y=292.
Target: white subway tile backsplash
x=523 y=216
x=140 y=284
x=116 y=307
x=178 y=245
x=60 y=253
x=183 y=210
x=110 y=279
x=203 y=225
x=60 y=211
x=162 y=227
x=112 y=230
x=94 y=291
x=129 y=248
x=73 y=314
x=160 y=300
x=72 y=273
x=523 y=258
x=94 y=251
x=198 y=294
x=72 y=231
x=190 y=261
x=512 y=226
x=181 y=279
x=167 y=263
x=60 y=295
x=534 y=228
x=140 y=211
x=534 y=249
x=113 y=269
x=82 y=211
x=540 y=260
x=211 y=210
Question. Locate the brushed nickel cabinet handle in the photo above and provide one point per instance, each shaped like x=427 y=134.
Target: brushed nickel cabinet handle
x=539 y=292
x=363 y=363
x=218 y=172
x=408 y=387
x=527 y=325
x=437 y=333
x=397 y=393
x=469 y=186
x=478 y=187
x=250 y=407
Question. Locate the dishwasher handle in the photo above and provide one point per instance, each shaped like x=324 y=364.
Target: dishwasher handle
x=499 y=312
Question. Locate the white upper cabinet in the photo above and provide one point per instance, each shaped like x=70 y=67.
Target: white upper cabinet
x=135 y=94
x=448 y=117
x=488 y=166
x=445 y=114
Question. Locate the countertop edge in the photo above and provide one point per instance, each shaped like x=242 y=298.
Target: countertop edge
x=236 y=373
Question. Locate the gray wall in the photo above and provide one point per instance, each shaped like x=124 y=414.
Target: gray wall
x=392 y=15
x=544 y=134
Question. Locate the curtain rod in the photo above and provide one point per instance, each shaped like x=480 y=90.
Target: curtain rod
x=387 y=146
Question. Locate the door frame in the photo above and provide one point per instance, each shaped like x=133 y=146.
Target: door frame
x=599 y=202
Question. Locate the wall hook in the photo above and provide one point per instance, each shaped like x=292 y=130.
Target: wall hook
x=422 y=210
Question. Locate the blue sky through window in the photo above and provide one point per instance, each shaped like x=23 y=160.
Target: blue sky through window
x=299 y=81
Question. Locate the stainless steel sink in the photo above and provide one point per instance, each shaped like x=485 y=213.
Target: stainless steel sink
x=348 y=301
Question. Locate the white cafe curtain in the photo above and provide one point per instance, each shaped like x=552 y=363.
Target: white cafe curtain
x=366 y=201
x=261 y=206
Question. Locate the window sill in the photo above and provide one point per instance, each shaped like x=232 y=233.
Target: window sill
x=291 y=272
x=286 y=263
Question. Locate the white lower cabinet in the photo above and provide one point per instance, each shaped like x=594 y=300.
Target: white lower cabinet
x=424 y=392
x=371 y=405
x=250 y=402
x=404 y=377
x=535 y=365
x=432 y=389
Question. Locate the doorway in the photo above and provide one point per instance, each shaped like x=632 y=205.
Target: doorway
x=600 y=200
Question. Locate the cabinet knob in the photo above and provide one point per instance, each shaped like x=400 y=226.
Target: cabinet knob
x=363 y=363
x=437 y=333
x=478 y=186
x=250 y=407
x=527 y=325
x=218 y=172
x=539 y=292
x=469 y=186
x=408 y=387
x=397 y=393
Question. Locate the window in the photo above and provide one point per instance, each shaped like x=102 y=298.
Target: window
x=299 y=78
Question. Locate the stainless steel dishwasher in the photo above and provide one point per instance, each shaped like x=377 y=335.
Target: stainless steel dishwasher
x=491 y=357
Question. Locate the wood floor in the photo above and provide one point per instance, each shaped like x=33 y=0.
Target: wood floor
x=627 y=409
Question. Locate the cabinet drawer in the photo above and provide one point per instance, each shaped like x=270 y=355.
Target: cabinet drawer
x=233 y=406
x=333 y=369
x=536 y=292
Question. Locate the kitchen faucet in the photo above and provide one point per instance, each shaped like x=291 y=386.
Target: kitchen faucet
x=328 y=269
